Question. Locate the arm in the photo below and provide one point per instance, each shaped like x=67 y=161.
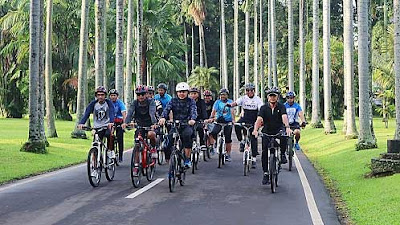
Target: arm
x=233 y=115
x=123 y=110
x=152 y=111
x=88 y=110
x=131 y=112
x=301 y=115
x=167 y=109
x=203 y=110
x=193 y=112
x=257 y=125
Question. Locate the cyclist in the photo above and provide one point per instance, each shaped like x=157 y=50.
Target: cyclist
x=103 y=114
x=274 y=118
x=294 y=111
x=221 y=113
x=250 y=103
x=150 y=92
x=208 y=101
x=183 y=109
x=162 y=95
x=119 y=118
x=150 y=95
x=143 y=110
x=201 y=113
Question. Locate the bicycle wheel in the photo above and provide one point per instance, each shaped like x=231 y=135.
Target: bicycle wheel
x=220 y=156
x=290 y=153
x=193 y=158
x=93 y=168
x=272 y=172
x=172 y=173
x=151 y=168
x=182 y=172
x=245 y=163
x=136 y=171
x=116 y=150
x=110 y=167
x=197 y=160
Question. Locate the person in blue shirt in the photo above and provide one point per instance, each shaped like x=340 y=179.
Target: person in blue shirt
x=294 y=112
x=222 y=113
x=119 y=118
x=162 y=95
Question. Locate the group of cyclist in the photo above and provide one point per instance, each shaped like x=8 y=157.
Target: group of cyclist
x=149 y=110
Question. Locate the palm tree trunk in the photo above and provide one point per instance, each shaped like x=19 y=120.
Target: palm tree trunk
x=365 y=139
x=129 y=55
x=186 y=50
x=204 y=46
x=328 y=115
x=350 y=117
x=34 y=143
x=262 y=51
x=139 y=43
x=201 y=45
x=236 y=74
x=302 y=77
x=273 y=44
x=193 y=49
x=41 y=99
x=291 y=45
x=51 y=127
x=99 y=42
x=269 y=45
x=255 y=62
x=119 y=50
x=396 y=5
x=247 y=46
x=224 y=54
x=315 y=118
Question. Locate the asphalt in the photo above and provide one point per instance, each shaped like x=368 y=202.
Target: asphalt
x=211 y=196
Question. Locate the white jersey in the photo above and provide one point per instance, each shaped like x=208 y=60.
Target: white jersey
x=247 y=103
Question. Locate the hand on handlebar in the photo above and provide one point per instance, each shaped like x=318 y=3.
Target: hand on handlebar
x=161 y=122
x=288 y=131
x=191 y=122
x=303 y=125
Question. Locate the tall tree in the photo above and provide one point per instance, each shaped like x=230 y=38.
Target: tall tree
x=139 y=43
x=223 y=43
x=119 y=50
x=51 y=127
x=247 y=43
x=302 y=69
x=290 y=45
x=129 y=55
x=348 y=48
x=41 y=86
x=261 y=44
x=99 y=42
x=236 y=73
x=186 y=51
x=197 y=11
x=366 y=139
x=270 y=73
x=315 y=117
x=34 y=143
x=396 y=5
x=255 y=63
x=274 y=65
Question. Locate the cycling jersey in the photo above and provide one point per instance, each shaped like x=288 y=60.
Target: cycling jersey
x=250 y=107
x=222 y=111
x=293 y=112
x=119 y=107
x=165 y=99
x=201 y=110
x=144 y=113
x=272 y=118
x=182 y=109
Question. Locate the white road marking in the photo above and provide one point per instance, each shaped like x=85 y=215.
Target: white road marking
x=145 y=188
x=312 y=206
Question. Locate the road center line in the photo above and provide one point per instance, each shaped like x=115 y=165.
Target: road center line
x=312 y=206
x=145 y=188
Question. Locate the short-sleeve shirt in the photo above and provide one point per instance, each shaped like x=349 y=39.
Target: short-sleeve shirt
x=222 y=111
x=272 y=118
x=119 y=107
x=293 y=112
x=250 y=107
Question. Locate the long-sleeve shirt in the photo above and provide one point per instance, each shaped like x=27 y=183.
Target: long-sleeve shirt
x=133 y=107
x=103 y=113
x=182 y=109
x=201 y=110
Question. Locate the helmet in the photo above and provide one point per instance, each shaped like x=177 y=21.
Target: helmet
x=113 y=92
x=224 y=91
x=150 y=88
x=182 y=86
x=141 y=89
x=207 y=93
x=162 y=86
x=273 y=90
x=101 y=89
x=249 y=86
x=194 y=89
x=290 y=94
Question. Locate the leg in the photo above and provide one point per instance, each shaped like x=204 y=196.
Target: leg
x=201 y=134
x=186 y=135
x=238 y=130
x=228 y=138
x=151 y=135
x=264 y=155
x=120 y=139
x=254 y=143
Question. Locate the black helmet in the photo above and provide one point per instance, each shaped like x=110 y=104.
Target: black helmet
x=194 y=89
x=100 y=89
x=273 y=90
x=113 y=91
x=224 y=91
x=249 y=86
x=162 y=86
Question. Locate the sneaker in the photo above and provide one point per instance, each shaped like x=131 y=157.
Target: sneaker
x=188 y=163
x=253 y=164
x=241 y=148
x=297 y=146
x=265 y=179
x=283 y=159
x=228 y=158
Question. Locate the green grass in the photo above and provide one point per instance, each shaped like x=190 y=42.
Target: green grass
x=63 y=151
x=366 y=200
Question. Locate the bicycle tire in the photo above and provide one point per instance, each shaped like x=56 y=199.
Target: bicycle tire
x=172 y=173
x=136 y=172
x=182 y=173
x=220 y=157
x=193 y=156
x=197 y=160
x=110 y=168
x=92 y=160
x=272 y=172
x=116 y=150
x=290 y=153
x=245 y=164
x=150 y=171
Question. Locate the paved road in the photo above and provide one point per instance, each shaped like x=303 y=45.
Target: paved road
x=212 y=196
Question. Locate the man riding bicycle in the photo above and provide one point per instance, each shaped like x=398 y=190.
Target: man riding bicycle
x=274 y=118
x=222 y=113
x=119 y=118
x=208 y=100
x=201 y=113
x=143 y=110
x=294 y=111
x=162 y=95
x=183 y=109
x=250 y=103
x=103 y=114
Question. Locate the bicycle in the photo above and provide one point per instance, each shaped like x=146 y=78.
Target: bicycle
x=143 y=161
x=114 y=139
x=274 y=158
x=290 y=150
x=162 y=142
x=221 y=146
x=247 y=154
x=177 y=170
x=209 y=147
x=95 y=163
x=196 y=148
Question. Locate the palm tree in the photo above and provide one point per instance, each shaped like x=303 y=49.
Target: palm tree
x=236 y=73
x=262 y=50
x=315 y=117
x=119 y=50
x=223 y=45
x=273 y=44
x=129 y=55
x=186 y=50
x=197 y=11
x=34 y=143
x=366 y=139
x=41 y=87
x=269 y=45
x=51 y=127
x=290 y=47
x=99 y=42
x=396 y=5
x=255 y=72
x=204 y=78
x=139 y=43
x=302 y=77
x=247 y=42
x=350 y=128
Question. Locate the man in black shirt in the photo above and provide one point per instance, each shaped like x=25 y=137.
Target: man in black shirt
x=274 y=118
x=209 y=102
x=201 y=113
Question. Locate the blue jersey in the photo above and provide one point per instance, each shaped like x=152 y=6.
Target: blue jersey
x=164 y=99
x=293 y=112
x=222 y=111
x=119 y=107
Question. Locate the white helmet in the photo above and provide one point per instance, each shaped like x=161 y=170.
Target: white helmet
x=182 y=86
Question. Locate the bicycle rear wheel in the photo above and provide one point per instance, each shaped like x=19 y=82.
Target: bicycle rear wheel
x=182 y=172
x=110 y=167
x=136 y=168
x=245 y=163
x=272 y=172
x=172 y=173
x=116 y=150
x=93 y=168
x=151 y=168
x=290 y=153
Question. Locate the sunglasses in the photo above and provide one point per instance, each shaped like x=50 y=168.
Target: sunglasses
x=141 y=94
x=290 y=97
x=248 y=90
x=272 y=95
x=101 y=94
x=181 y=91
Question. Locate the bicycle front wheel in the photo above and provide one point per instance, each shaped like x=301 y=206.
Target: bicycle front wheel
x=272 y=172
x=136 y=168
x=93 y=168
x=151 y=168
x=172 y=173
x=245 y=163
x=116 y=150
x=290 y=153
x=110 y=167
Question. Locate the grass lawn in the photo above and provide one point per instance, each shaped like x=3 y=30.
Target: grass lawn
x=63 y=151
x=366 y=200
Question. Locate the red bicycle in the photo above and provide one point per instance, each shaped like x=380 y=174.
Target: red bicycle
x=144 y=157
